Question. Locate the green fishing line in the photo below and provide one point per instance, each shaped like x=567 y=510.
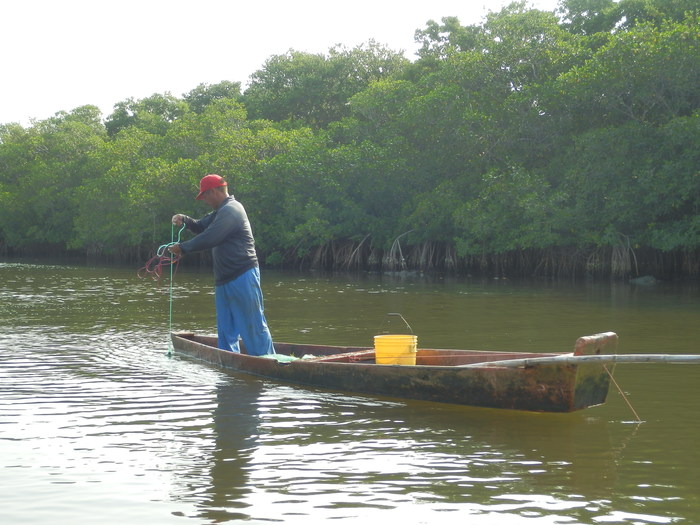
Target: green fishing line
x=161 y=250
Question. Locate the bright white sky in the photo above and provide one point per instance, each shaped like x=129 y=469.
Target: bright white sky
x=61 y=54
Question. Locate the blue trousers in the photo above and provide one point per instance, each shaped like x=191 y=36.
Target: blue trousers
x=240 y=313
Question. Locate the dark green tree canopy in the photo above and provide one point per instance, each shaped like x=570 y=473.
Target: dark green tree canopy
x=313 y=89
x=533 y=143
x=205 y=94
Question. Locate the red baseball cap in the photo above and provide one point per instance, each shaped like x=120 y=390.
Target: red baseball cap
x=208 y=182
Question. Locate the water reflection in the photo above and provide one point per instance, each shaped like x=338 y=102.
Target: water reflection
x=322 y=454
x=236 y=422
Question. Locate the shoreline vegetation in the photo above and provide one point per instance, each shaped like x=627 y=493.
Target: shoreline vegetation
x=558 y=144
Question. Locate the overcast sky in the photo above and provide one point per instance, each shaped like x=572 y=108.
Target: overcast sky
x=61 y=54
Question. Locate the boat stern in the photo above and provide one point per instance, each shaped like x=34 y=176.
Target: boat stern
x=593 y=379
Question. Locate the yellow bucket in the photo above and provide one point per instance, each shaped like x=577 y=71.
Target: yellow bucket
x=395 y=349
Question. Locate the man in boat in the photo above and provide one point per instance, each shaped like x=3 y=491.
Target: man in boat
x=239 y=299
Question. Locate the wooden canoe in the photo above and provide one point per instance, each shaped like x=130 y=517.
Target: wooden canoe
x=463 y=377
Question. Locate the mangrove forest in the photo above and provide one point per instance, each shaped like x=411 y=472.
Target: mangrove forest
x=533 y=144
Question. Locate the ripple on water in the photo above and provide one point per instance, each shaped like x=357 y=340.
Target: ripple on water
x=96 y=420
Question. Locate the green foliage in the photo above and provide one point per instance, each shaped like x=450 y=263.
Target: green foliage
x=526 y=134
x=103 y=223
x=153 y=114
x=648 y=74
x=588 y=17
x=43 y=168
x=313 y=89
x=440 y=41
x=204 y=94
x=515 y=210
x=655 y=12
x=672 y=208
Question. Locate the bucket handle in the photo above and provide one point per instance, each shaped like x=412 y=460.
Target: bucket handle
x=394 y=314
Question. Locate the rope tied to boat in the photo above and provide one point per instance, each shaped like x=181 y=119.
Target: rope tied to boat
x=154 y=268
x=622 y=393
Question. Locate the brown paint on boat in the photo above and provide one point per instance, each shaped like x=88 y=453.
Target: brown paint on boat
x=448 y=376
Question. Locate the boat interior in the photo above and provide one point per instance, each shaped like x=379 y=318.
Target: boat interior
x=423 y=356
x=368 y=355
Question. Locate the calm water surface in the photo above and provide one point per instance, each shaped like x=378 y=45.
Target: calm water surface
x=99 y=425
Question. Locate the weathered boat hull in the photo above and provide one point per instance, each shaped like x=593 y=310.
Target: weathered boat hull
x=447 y=376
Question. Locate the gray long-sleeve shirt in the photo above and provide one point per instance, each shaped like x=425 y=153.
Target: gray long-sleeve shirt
x=227 y=232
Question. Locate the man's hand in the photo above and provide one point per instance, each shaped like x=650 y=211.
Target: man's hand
x=175 y=248
x=178 y=219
